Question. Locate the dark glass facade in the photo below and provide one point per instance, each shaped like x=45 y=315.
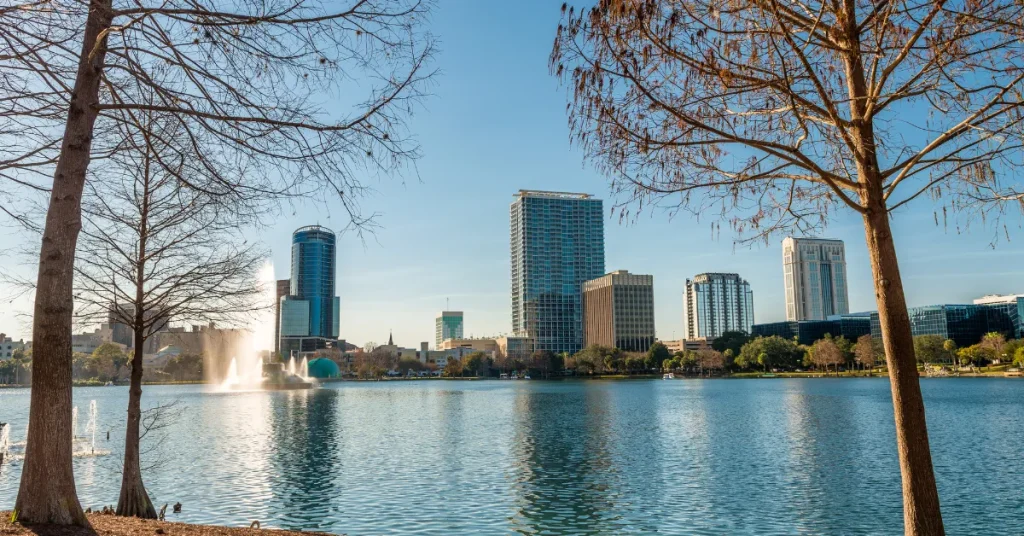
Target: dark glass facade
x=964 y=324
x=557 y=243
x=310 y=313
x=850 y=327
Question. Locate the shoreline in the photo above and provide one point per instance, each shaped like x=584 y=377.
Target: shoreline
x=605 y=377
x=111 y=525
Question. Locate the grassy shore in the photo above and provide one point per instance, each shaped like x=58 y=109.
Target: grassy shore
x=109 y=525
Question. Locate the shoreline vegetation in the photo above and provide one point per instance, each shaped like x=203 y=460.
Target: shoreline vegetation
x=111 y=525
x=986 y=372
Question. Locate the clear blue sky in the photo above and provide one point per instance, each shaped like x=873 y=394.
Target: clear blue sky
x=496 y=124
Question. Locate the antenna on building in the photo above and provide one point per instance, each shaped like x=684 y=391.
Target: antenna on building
x=447 y=304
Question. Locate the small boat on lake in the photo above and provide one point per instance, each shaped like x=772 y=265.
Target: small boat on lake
x=668 y=376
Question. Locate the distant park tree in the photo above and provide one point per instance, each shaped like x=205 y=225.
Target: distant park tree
x=656 y=355
x=993 y=344
x=709 y=360
x=731 y=340
x=825 y=353
x=476 y=364
x=930 y=349
x=770 y=352
x=865 y=353
x=453 y=367
x=1018 y=357
x=543 y=361
x=251 y=82
x=774 y=115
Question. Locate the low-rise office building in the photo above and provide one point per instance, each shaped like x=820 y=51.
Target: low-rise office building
x=964 y=324
x=692 y=345
x=8 y=346
x=480 y=344
x=849 y=326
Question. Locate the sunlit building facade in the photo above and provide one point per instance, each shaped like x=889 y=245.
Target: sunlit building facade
x=557 y=243
x=716 y=303
x=618 y=311
x=814 y=272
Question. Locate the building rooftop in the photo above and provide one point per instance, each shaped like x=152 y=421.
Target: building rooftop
x=553 y=195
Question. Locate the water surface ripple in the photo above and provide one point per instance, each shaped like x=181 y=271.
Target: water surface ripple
x=764 y=457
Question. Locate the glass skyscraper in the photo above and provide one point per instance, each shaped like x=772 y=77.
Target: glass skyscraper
x=557 y=243
x=814 y=271
x=716 y=303
x=310 y=314
x=447 y=326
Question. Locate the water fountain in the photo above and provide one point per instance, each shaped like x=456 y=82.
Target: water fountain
x=5 y=441
x=269 y=376
x=85 y=445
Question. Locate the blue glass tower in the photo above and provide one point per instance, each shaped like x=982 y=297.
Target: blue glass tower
x=557 y=243
x=310 y=314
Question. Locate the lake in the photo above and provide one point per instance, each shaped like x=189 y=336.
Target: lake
x=797 y=456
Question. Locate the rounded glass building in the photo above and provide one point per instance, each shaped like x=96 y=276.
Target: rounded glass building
x=310 y=313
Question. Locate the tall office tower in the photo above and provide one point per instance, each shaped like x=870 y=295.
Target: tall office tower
x=557 y=243
x=447 y=326
x=618 y=311
x=283 y=288
x=716 y=303
x=310 y=312
x=815 y=278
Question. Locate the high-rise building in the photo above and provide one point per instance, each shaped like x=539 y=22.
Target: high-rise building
x=618 y=311
x=310 y=313
x=283 y=287
x=815 y=276
x=557 y=243
x=716 y=303
x=448 y=325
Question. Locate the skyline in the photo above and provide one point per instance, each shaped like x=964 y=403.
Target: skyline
x=496 y=124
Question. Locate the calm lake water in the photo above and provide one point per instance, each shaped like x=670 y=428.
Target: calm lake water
x=807 y=456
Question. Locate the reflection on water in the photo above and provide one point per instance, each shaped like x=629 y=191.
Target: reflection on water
x=630 y=457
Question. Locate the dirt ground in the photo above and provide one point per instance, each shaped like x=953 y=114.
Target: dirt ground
x=109 y=525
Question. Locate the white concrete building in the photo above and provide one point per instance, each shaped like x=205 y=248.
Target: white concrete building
x=814 y=271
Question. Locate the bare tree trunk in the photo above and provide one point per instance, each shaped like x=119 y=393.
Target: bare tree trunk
x=47 y=491
x=921 y=513
x=134 y=501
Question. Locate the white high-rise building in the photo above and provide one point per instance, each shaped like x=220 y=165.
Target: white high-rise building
x=815 y=276
x=716 y=303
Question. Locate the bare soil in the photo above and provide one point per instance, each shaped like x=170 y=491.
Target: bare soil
x=110 y=525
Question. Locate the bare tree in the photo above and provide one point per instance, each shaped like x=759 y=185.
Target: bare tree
x=771 y=115
x=153 y=250
x=826 y=352
x=864 y=351
x=253 y=85
x=709 y=360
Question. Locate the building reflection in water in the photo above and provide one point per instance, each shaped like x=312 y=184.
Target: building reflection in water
x=306 y=458
x=563 y=477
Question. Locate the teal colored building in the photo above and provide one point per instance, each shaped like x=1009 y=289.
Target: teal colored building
x=322 y=368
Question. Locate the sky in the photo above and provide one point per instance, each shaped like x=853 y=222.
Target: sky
x=494 y=124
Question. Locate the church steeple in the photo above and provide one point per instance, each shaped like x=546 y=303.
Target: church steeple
x=391 y=340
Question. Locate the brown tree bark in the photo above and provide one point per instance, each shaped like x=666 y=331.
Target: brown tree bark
x=133 y=500
x=47 y=491
x=921 y=512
